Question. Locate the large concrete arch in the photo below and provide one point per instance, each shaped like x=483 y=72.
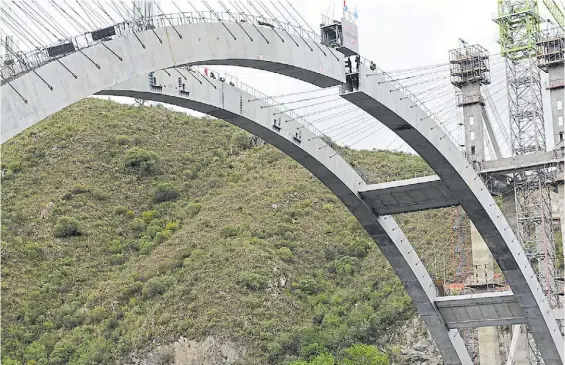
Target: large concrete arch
x=27 y=99
x=383 y=99
x=244 y=110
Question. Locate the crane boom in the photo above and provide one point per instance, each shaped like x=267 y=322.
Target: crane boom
x=555 y=11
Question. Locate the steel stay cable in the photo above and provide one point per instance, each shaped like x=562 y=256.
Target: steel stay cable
x=359 y=132
x=30 y=29
x=297 y=93
x=356 y=122
x=92 y=24
x=112 y=21
x=38 y=49
x=355 y=129
x=297 y=101
x=344 y=123
x=309 y=105
x=50 y=20
x=355 y=108
x=242 y=13
x=25 y=13
x=99 y=17
x=258 y=15
x=319 y=111
x=16 y=29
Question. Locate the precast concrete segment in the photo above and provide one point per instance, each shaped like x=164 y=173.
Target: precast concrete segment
x=386 y=103
x=521 y=163
x=410 y=195
x=481 y=310
x=233 y=105
x=201 y=43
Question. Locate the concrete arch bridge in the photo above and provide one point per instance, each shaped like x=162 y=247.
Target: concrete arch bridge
x=120 y=66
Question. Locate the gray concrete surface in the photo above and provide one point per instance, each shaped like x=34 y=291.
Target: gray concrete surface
x=481 y=310
x=202 y=43
x=522 y=162
x=385 y=102
x=411 y=195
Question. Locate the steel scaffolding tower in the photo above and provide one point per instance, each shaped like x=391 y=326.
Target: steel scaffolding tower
x=519 y=27
x=469 y=70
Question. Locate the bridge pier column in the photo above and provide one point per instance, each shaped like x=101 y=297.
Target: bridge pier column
x=489 y=351
x=467 y=71
x=518 y=350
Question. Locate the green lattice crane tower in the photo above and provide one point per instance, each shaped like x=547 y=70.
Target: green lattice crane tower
x=519 y=29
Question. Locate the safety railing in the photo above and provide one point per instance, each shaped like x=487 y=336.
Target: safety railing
x=258 y=95
x=27 y=61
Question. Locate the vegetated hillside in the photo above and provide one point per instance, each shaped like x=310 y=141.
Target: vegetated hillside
x=128 y=227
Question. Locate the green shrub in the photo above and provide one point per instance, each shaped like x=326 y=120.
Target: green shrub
x=274 y=351
x=172 y=226
x=241 y=140
x=15 y=166
x=67 y=226
x=149 y=215
x=357 y=247
x=115 y=246
x=146 y=246
x=364 y=354
x=120 y=210
x=307 y=285
x=33 y=250
x=123 y=140
x=165 y=192
x=192 y=209
x=80 y=189
x=282 y=228
x=156 y=286
x=34 y=352
x=285 y=253
x=252 y=280
x=190 y=174
x=229 y=231
x=97 y=315
x=138 y=225
x=162 y=236
x=118 y=259
x=140 y=160
x=152 y=230
x=327 y=359
x=346 y=265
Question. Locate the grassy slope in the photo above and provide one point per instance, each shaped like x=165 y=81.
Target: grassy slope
x=99 y=296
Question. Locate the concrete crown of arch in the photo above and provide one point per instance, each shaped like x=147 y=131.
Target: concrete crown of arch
x=201 y=43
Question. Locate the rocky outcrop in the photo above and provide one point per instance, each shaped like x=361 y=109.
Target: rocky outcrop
x=210 y=351
x=414 y=345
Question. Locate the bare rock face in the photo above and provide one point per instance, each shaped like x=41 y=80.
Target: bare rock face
x=415 y=345
x=190 y=352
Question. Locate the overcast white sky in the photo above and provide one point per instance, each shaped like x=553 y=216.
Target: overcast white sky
x=395 y=34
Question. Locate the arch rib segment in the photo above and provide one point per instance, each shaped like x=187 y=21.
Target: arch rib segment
x=383 y=101
x=231 y=104
x=202 y=43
